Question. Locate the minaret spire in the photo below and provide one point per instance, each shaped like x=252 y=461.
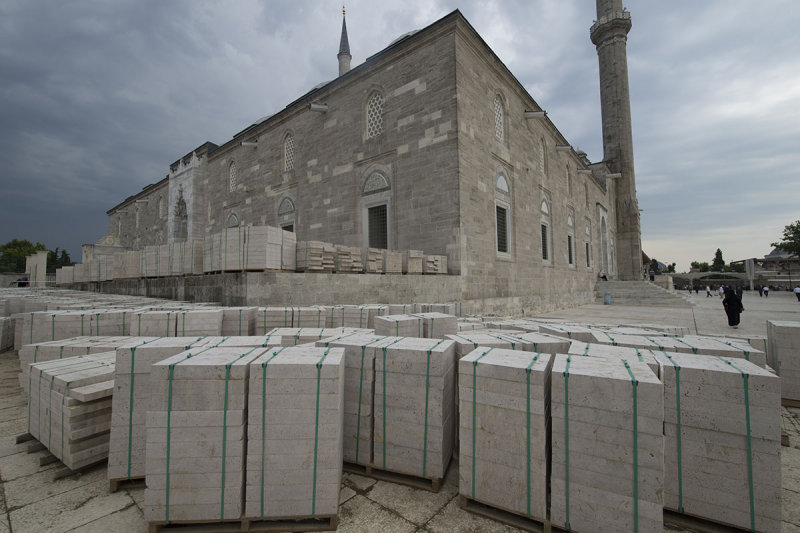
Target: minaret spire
x=344 y=48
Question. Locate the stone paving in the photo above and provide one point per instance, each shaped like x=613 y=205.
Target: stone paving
x=30 y=501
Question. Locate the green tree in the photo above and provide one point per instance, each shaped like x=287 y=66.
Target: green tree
x=790 y=241
x=654 y=266
x=671 y=268
x=14 y=252
x=718 y=265
x=702 y=267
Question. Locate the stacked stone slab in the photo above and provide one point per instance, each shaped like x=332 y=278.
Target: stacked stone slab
x=80 y=273
x=359 y=386
x=69 y=407
x=133 y=264
x=238 y=321
x=164 y=263
x=722 y=346
x=297 y=336
x=194 y=322
x=65 y=275
x=186 y=258
x=607 y=445
x=540 y=342
x=195 y=452
x=392 y=262
x=154 y=323
x=131 y=401
x=213 y=246
x=435 y=264
x=504 y=425
x=399 y=326
x=571 y=332
x=262 y=248
x=412 y=261
x=150 y=261
x=414 y=407
x=310 y=317
x=373 y=260
x=355 y=316
x=269 y=318
x=784 y=356
x=349 y=259
x=294 y=433
x=722 y=428
x=466 y=342
x=288 y=250
x=117 y=266
x=315 y=256
x=438 y=325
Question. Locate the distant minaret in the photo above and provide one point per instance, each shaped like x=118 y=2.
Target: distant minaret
x=344 y=49
x=609 y=35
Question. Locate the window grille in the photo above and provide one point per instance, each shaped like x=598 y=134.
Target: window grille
x=375 y=116
x=499 y=125
x=545 y=250
x=588 y=255
x=288 y=227
x=570 y=251
x=502 y=229
x=232 y=177
x=288 y=153
x=378 y=230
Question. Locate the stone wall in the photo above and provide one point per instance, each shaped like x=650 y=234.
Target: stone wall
x=149 y=226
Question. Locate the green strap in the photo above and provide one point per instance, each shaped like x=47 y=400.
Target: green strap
x=52 y=327
x=746 y=353
x=528 y=429
x=284 y=317
x=635 y=383
x=655 y=342
x=225 y=431
x=360 y=391
x=506 y=339
x=746 y=378
x=140 y=324
x=586 y=350
x=384 y=398
x=319 y=316
x=31 y=341
x=566 y=441
x=427 y=390
x=680 y=436
x=167 y=333
x=265 y=321
x=474 y=344
x=264 y=419
x=361 y=317
x=316 y=437
x=639 y=355
x=183 y=328
x=474 y=416
x=613 y=342
x=694 y=349
x=81 y=325
x=240 y=322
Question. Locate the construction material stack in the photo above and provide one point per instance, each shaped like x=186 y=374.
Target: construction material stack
x=348 y=259
x=415 y=420
x=722 y=450
x=261 y=248
x=607 y=456
x=294 y=433
x=412 y=261
x=392 y=262
x=784 y=357
x=399 y=326
x=437 y=325
x=315 y=256
x=288 y=250
x=373 y=260
x=269 y=318
x=504 y=426
x=196 y=435
x=435 y=264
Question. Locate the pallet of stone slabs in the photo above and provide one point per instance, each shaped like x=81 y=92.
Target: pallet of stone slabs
x=126 y=483
x=319 y=523
x=504 y=517
x=695 y=523
x=429 y=484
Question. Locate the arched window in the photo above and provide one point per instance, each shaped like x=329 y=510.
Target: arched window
x=288 y=152
x=232 y=177
x=569 y=181
x=374 y=115
x=570 y=241
x=286 y=213
x=501 y=184
x=160 y=207
x=545 y=208
x=376 y=212
x=499 y=118
x=138 y=218
x=587 y=243
x=547 y=256
x=376 y=182
x=233 y=221
x=543 y=157
x=502 y=211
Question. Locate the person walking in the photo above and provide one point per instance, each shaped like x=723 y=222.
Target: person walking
x=733 y=307
x=797 y=292
x=766 y=291
x=721 y=291
x=708 y=291
x=760 y=291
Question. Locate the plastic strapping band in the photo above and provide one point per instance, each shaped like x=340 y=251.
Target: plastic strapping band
x=694 y=349
x=240 y=322
x=586 y=350
x=639 y=355
x=225 y=432
x=635 y=384
x=81 y=325
x=53 y=327
x=566 y=441
x=746 y=378
x=425 y=433
x=680 y=436
x=384 y=398
x=474 y=344
x=746 y=353
x=360 y=391
x=474 y=415
x=528 y=430
x=654 y=342
x=31 y=340
x=264 y=418
x=316 y=437
x=613 y=342
x=130 y=411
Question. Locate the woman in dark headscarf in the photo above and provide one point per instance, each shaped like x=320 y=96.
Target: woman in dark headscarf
x=733 y=307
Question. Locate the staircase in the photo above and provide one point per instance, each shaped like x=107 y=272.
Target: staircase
x=640 y=293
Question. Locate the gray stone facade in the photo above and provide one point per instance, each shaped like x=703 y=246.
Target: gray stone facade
x=436 y=128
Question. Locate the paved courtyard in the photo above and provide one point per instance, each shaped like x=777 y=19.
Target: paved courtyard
x=30 y=501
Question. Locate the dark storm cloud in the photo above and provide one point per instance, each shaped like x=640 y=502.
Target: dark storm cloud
x=97 y=98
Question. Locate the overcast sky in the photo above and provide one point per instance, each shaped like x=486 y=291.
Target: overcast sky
x=97 y=98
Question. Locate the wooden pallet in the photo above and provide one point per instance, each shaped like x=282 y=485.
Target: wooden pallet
x=321 y=523
x=126 y=483
x=505 y=517
x=695 y=523
x=416 y=482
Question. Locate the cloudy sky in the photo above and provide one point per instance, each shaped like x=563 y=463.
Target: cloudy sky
x=98 y=97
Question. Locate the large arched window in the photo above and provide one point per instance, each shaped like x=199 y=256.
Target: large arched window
x=374 y=115
x=288 y=152
x=547 y=255
x=376 y=201
x=587 y=243
x=570 y=240
x=499 y=118
x=232 y=177
x=286 y=214
x=502 y=210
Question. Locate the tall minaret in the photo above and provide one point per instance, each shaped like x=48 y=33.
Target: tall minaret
x=344 y=49
x=609 y=35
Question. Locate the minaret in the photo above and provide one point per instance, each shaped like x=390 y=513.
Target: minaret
x=344 y=49
x=609 y=35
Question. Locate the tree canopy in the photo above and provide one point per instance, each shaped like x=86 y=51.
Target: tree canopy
x=790 y=241
x=718 y=265
x=14 y=252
